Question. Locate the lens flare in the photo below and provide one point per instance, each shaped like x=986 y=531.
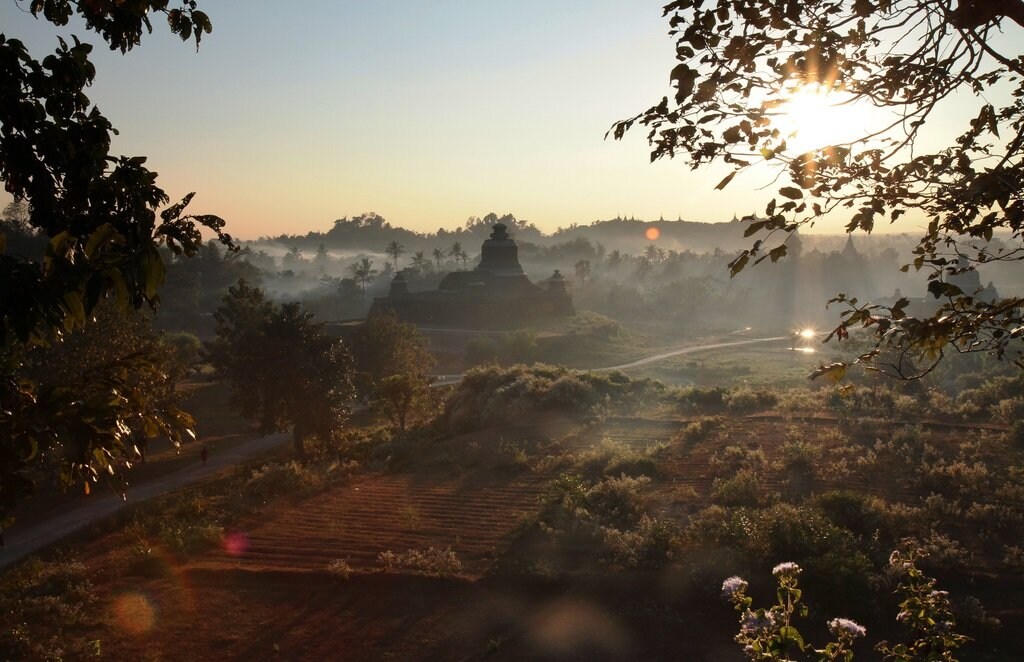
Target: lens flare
x=652 y=233
x=808 y=333
x=235 y=544
x=134 y=613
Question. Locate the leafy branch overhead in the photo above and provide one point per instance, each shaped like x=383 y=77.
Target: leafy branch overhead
x=741 y=61
x=121 y=23
x=98 y=217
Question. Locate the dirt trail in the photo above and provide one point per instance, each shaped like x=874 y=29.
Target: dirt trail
x=23 y=541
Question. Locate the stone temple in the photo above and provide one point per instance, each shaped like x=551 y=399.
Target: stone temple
x=496 y=294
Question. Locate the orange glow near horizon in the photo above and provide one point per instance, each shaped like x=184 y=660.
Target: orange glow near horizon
x=652 y=233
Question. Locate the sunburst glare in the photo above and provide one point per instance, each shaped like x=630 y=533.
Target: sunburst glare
x=814 y=116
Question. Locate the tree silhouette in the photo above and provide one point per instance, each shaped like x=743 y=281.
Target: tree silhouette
x=583 y=272
x=420 y=262
x=395 y=250
x=363 y=273
x=741 y=61
x=284 y=371
x=459 y=254
x=438 y=257
x=103 y=237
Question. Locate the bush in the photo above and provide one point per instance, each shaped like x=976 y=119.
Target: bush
x=696 y=398
x=340 y=569
x=279 y=478
x=744 y=488
x=608 y=518
x=701 y=429
x=731 y=459
x=55 y=595
x=745 y=400
x=651 y=544
x=614 y=458
x=754 y=538
x=430 y=561
x=491 y=395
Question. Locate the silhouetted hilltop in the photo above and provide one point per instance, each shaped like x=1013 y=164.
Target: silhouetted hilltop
x=371 y=232
x=630 y=235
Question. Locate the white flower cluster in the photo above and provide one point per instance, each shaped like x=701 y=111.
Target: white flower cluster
x=755 y=624
x=787 y=569
x=733 y=586
x=844 y=626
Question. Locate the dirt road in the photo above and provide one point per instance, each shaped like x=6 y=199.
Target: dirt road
x=20 y=542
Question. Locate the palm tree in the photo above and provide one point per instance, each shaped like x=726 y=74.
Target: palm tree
x=456 y=251
x=395 y=250
x=644 y=267
x=363 y=272
x=420 y=261
x=438 y=256
x=651 y=253
x=582 y=272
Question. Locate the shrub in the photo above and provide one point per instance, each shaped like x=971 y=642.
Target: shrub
x=56 y=595
x=430 y=561
x=701 y=429
x=614 y=458
x=744 y=488
x=733 y=458
x=278 y=478
x=339 y=569
x=745 y=399
x=697 y=398
x=609 y=518
x=795 y=400
x=830 y=553
x=650 y=545
x=491 y=395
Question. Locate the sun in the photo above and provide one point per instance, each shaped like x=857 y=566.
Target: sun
x=814 y=116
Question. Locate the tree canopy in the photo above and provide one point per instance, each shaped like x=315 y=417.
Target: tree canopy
x=392 y=365
x=284 y=371
x=104 y=236
x=741 y=61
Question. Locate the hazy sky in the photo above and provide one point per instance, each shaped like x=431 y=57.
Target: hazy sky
x=294 y=114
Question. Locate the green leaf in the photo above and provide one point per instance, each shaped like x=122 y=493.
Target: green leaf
x=791 y=634
x=74 y=307
x=153 y=271
x=834 y=372
x=98 y=238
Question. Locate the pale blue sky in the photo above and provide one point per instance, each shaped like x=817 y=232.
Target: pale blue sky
x=294 y=114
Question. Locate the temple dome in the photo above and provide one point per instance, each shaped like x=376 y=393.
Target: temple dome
x=499 y=255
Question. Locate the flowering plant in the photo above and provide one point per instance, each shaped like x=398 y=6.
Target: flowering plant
x=768 y=634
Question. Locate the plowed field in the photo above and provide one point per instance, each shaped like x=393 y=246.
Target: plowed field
x=268 y=593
